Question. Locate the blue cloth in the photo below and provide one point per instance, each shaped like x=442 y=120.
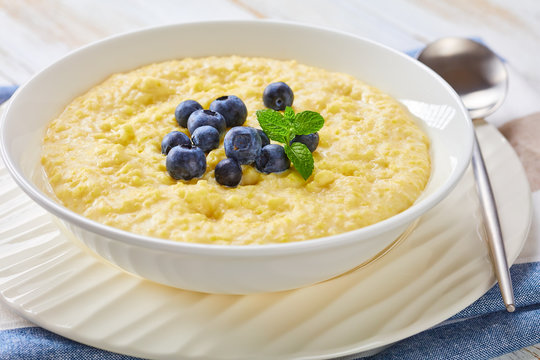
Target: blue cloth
x=34 y=343
x=6 y=92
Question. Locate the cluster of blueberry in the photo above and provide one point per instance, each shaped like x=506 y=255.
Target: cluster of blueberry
x=243 y=145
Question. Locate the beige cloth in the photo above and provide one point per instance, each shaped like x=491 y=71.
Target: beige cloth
x=524 y=135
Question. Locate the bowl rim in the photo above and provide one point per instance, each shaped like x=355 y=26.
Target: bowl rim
x=116 y=234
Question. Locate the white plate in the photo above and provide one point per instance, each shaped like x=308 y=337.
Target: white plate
x=439 y=269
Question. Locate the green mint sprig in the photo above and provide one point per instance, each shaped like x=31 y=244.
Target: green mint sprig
x=284 y=127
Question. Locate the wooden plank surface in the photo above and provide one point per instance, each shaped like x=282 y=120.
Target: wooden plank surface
x=35 y=33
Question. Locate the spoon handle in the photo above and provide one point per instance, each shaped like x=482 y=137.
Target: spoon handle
x=493 y=227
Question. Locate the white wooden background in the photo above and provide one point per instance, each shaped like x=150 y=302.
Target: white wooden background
x=35 y=33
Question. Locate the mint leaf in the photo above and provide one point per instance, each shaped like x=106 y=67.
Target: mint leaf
x=301 y=158
x=289 y=113
x=283 y=128
x=307 y=122
x=276 y=126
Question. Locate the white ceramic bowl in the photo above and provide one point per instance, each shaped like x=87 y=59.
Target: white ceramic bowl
x=238 y=269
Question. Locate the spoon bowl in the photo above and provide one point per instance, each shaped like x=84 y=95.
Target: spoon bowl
x=475 y=72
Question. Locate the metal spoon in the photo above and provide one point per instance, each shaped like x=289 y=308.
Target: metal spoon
x=481 y=80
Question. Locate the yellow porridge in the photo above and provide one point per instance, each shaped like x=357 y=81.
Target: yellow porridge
x=103 y=159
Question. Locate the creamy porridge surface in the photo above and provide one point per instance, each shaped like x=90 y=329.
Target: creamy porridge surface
x=102 y=155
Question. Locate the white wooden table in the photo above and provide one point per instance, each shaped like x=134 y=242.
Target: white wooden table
x=35 y=33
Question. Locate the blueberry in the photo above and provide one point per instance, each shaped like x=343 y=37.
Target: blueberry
x=243 y=144
x=206 y=117
x=206 y=137
x=184 y=109
x=228 y=172
x=232 y=108
x=311 y=140
x=264 y=138
x=272 y=159
x=186 y=162
x=173 y=139
x=277 y=96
